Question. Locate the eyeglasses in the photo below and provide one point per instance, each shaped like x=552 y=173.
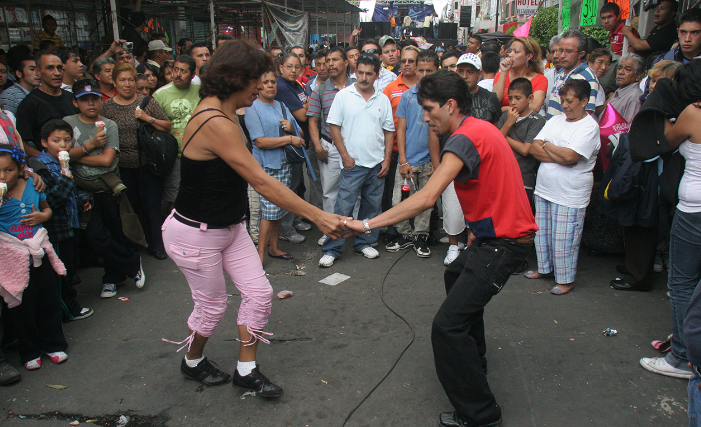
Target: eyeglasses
x=567 y=51
x=408 y=61
x=371 y=51
x=291 y=67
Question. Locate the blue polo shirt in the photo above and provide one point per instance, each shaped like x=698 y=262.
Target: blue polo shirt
x=11 y=213
x=416 y=129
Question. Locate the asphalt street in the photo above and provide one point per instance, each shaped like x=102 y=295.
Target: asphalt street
x=549 y=363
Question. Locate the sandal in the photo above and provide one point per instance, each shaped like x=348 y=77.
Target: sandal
x=535 y=274
x=559 y=290
x=663 y=346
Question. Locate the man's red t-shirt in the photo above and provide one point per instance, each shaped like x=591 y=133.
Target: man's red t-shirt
x=489 y=187
x=616 y=38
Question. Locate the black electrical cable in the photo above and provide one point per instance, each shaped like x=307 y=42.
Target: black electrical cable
x=411 y=329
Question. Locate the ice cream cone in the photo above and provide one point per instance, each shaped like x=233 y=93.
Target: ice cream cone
x=3 y=189
x=100 y=126
x=64 y=159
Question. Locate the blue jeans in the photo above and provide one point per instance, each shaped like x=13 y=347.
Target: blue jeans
x=435 y=31
x=684 y=275
x=354 y=181
x=694 y=402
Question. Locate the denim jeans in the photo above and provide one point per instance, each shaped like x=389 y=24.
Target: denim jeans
x=355 y=181
x=694 y=402
x=457 y=334
x=684 y=275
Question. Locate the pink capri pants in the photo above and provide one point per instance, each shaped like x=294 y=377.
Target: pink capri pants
x=203 y=255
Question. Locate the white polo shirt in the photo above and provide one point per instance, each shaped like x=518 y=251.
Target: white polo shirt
x=362 y=124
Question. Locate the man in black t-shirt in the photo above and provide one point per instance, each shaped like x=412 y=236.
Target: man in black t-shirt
x=46 y=102
x=662 y=36
x=485 y=104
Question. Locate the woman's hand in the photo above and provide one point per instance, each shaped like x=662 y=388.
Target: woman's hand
x=287 y=126
x=141 y=115
x=331 y=224
x=296 y=141
x=505 y=65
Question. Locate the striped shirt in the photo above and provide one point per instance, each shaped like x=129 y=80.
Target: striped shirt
x=582 y=71
x=315 y=104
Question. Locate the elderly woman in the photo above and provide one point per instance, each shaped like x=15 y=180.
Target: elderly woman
x=662 y=70
x=566 y=147
x=205 y=234
x=523 y=60
x=626 y=99
x=599 y=61
x=271 y=126
x=143 y=189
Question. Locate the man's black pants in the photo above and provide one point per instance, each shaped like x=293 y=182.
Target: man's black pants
x=457 y=335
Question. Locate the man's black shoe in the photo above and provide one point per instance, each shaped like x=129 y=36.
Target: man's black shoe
x=622 y=285
x=205 y=373
x=452 y=419
x=160 y=255
x=399 y=244
x=483 y=362
x=255 y=381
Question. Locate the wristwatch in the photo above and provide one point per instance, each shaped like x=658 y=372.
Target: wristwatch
x=366 y=226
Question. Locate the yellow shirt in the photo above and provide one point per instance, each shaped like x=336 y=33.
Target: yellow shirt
x=44 y=36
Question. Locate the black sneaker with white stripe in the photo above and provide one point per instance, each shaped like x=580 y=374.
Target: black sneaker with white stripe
x=399 y=244
x=421 y=246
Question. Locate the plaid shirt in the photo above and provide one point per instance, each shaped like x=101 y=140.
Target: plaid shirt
x=63 y=197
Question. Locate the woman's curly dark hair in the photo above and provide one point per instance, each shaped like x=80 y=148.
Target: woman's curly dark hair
x=233 y=67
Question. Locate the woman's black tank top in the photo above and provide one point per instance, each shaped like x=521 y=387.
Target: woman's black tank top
x=210 y=190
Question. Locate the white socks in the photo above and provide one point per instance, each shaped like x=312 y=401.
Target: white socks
x=193 y=363
x=245 y=368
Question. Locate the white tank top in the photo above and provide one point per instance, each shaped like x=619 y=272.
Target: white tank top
x=690 y=185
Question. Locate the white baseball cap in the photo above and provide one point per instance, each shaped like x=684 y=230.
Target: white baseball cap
x=472 y=59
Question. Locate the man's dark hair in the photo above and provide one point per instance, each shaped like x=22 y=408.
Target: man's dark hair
x=687 y=81
x=581 y=39
x=222 y=36
x=522 y=85
x=47 y=18
x=16 y=56
x=82 y=83
x=577 y=87
x=189 y=60
x=67 y=54
x=691 y=15
x=136 y=19
x=428 y=56
x=477 y=37
x=232 y=68
x=673 y=5
x=349 y=48
x=196 y=45
x=183 y=42
x=141 y=68
x=444 y=85
x=369 y=59
x=321 y=53
x=53 y=125
x=289 y=49
x=159 y=36
x=490 y=46
x=490 y=62
x=47 y=45
x=97 y=65
x=338 y=49
x=450 y=54
x=43 y=53
x=372 y=42
x=610 y=7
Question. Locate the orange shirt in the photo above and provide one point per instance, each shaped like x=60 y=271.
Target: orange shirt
x=394 y=92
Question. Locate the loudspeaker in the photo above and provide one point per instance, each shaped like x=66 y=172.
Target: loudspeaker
x=448 y=31
x=466 y=16
x=374 y=30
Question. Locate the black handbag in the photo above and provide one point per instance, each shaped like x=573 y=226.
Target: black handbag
x=294 y=155
x=160 y=148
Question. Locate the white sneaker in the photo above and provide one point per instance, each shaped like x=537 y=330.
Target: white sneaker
x=453 y=252
x=140 y=278
x=660 y=366
x=321 y=241
x=369 y=252
x=326 y=261
x=108 y=290
x=302 y=226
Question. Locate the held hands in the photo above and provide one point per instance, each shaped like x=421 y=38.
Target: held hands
x=354 y=228
x=332 y=224
x=34 y=218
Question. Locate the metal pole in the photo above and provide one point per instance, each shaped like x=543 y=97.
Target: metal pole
x=496 y=24
x=559 y=17
x=212 y=25
x=115 y=23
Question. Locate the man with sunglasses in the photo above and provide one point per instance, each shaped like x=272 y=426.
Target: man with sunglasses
x=385 y=77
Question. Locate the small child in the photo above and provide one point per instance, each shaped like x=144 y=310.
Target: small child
x=65 y=201
x=520 y=125
x=28 y=280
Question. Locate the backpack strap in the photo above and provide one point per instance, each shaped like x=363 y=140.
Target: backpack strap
x=145 y=102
